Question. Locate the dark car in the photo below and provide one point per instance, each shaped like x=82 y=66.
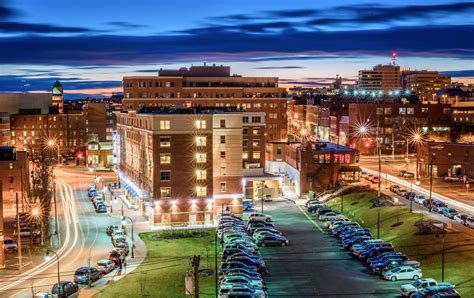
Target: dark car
x=65 y=289
x=256 y=261
x=116 y=255
x=253 y=225
x=374 y=252
x=84 y=274
x=450 y=212
x=112 y=228
x=272 y=239
x=394 y=188
x=101 y=209
x=438 y=206
x=347 y=243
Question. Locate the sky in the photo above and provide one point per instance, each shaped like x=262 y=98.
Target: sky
x=90 y=45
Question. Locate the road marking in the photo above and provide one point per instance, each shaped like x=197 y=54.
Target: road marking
x=310 y=219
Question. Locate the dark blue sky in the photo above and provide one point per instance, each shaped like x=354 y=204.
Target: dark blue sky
x=89 y=45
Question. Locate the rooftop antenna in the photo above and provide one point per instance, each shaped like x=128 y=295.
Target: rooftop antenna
x=394 y=58
x=25 y=86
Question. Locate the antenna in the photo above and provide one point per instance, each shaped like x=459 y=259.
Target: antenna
x=394 y=58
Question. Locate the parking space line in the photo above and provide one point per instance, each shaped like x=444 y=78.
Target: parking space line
x=310 y=219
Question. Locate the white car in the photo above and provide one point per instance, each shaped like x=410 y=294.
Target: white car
x=403 y=272
x=326 y=217
x=118 y=233
x=105 y=266
x=9 y=244
x=408 y=289
x=259 y=216
x=470 y=222
x=331 y=222
x=419 y=199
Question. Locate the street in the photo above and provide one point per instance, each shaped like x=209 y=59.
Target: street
x=314 y=264
x=83 y=239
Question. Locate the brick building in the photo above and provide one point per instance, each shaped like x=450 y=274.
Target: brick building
x=312 y=166
x=425 y=83
x=14 y=175
x=184 y=164
x=383 y=78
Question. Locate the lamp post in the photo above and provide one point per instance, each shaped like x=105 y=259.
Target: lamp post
x=133 y=223
x=48 y=257
x=443 y=227
x=430 y=205
x=379 y=181
x=53 y=143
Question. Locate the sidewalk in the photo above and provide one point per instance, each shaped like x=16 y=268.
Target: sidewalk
x=140 y=252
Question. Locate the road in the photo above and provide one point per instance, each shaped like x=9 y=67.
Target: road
x=314 y=265
x=83 y=238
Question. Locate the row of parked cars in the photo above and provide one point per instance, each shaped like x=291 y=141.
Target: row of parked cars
x=97 y=199
x=436 y=205
x=378 y=255
x=242 y=266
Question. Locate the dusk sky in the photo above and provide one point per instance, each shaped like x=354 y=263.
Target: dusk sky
x=89 y=45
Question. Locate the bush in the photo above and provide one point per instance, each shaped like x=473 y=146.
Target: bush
x=179 y=234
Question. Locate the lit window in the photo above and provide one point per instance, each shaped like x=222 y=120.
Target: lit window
x=201 y=124
x=402 y=111
x=256 y=143
x=201 y=174
x=245 y=155
x=165 y=192
x=410 y=111
x=165 y=158
x=223 y=186
x=201 y=191
x=165 y=124
x=223 y=171
x=222 y=139
x=256 y=155
x=388 y=111
x=201 y=141
x=201 y=157
x=256 y=131
x=165 y=175
x=165 y=141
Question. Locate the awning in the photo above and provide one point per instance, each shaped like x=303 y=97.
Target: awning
x=347 y=168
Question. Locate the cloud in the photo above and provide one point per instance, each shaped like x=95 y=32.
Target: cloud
x=459 y=73
x=123 y=24
x=279 y=67
x=17 y=27
x=97 y=50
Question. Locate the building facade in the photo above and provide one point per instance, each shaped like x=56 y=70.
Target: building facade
x=184 y=165
x=425 y=84
x=383 y=78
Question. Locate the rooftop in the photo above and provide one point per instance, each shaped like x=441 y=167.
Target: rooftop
x=184 y=110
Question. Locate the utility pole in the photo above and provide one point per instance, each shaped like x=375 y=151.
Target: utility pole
x=215 y=262
x=55 y=212
x=430 y=206
x=18 y=231
x=379 y=182
x=195 y=264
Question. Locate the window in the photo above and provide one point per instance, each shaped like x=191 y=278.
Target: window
x=256 y=119
x=245 y=142
x=388 y=111
x=201 y=191
x=165 y=142
x=165 y=192
x=223 y=171
x=165 y=124
x=165 y=158
x=222 y=123
x=201 y=174
x=245 y=131
x=200 y=124
x=410 y=111
x=201 y=141
x=245 y=155
x=245 y=119
x=222 y=154
x=447 y=111
x=256 y=143
x=222 y=139
x=223 y=186
x=256 y=155
x=201 y=157
x=402 y=111
x=256 y=131
x=424 y=110
x=165 y=175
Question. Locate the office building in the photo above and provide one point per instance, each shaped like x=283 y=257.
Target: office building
x=383 y=78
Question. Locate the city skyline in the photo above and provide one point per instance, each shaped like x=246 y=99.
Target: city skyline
x=303 y=44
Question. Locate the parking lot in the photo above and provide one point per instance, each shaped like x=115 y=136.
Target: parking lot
x=314 y=264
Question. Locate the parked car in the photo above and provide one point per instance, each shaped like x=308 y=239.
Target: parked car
x=448 y=293
x=394 y=188
x=101 y=209
x=26 y=231
x=247 y=204
x=84 y=274
x=255 y=260
x=272 y=239
x=65 y=289
x=240 y=279
x=260 y=217
x=375 y=179
x=117 y=254
x=453 y=179
x=449 y=212
x=430 y=291
x=408 y=289
x=242 y=290
x=227 y=266
x=112 y=229
x=470 y=222
x=409 y=175
x=438 y=206
x=348 y=243
x=9 y=244
x=331 y=214
x=243 y=272
x=460 y=218
x=105 y=266
x=403 y=272
x=267 y=198
x=419 y=199
x=253 y=225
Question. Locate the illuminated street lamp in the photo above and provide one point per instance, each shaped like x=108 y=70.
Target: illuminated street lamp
x=51 y=143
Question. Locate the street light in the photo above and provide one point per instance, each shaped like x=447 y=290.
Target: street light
x=443 y=227
x=124 y=222
x=51 y=144
x=48 y=257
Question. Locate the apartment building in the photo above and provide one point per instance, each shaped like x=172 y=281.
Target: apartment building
x=383 y=78
x=211 y=86
x=396 y=122
x=184 y=165
x=425 y=83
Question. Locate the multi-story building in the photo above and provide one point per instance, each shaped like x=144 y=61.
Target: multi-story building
x=397 y=122
x=14 y=177
x=447 y=159
x=312 y=166
x=425 y=83
x=211 y=86
x=383 y=78
x=183 y=165
x=100 y=121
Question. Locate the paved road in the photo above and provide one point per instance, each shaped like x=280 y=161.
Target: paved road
x=83 y=233
x=314 y=265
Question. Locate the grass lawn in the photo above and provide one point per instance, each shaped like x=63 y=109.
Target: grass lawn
x=162 y=272
x=398 y=226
